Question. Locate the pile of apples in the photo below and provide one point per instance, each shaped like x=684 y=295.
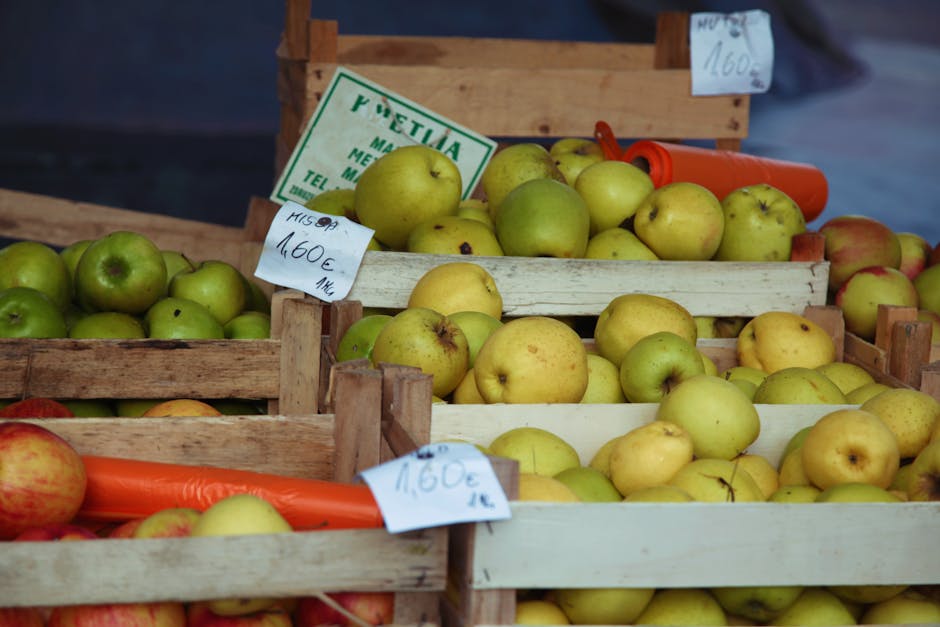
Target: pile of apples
x=122 y=286
x=42 y=487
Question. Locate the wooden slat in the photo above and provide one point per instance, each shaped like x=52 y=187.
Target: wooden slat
x=728 y=544
x=500 y=101
x=291 y=446
x=552 y=286
x=75 y=369
x=190 y=569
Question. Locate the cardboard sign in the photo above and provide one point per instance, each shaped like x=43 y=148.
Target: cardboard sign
x=438 y=484
x=731 y=53
x=358 y=121
x=313 y=252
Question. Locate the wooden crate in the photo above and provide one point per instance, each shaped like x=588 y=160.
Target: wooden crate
x=293 y=439
x=512 y=88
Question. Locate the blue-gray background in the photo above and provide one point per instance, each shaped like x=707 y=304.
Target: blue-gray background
x=171 y=107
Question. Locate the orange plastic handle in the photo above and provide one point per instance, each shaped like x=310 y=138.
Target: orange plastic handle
x=604 y=135
x=124 y=489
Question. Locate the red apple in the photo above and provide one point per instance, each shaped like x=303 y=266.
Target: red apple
x=164 y=614
x=860 y=295
x=125 y=529
x=42 y=478
x=20 y=617
x=36 y=408
x=914 y=253
x=375 y=608
x=854 y=242
x=172 y=522
x=201 y=616
x=56 y=531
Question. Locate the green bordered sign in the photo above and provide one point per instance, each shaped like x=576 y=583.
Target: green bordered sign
x=358 y=121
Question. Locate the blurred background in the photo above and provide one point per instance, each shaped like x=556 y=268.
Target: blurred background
x=171 y=107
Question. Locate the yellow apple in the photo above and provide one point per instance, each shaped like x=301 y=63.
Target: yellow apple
x=619 y=244
x=613 y=190
x=866 y=289
x=181 y=407
x=902 y=478
x=797 y=385
x=720 y=418
x=924 y=482
x=533 y=487
x=539 y=612
x=861 y=394
x=573 y=154
x=758 y=603
x=629 y=317
x=453 y=235
x=601 y=458
x=590 y=484
x=760 y=222
x=846 y=375
x=405 y=187
x=815 y=606
x=761 y=470
x=543 y=218
x=476 y=209
x=906 y=608
x=603 y=606
x=457 y=286
x=659 y=494
x=791 y=471
x=794 y=494
x=910 y=414
x=648 y=455
x=240 y=514
x=682 y=606
x=513 y=165
x=603 y=381
x=717 y=481
x=533 y=359
x=775 y=340
x=680 y=221
x=477 y=326
x=850 y=445
x=856 y=493
x=747 y=373
x=867 y=594
x=466 y=392
x=537 y=450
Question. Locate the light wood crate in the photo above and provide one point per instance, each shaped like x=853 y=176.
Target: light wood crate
x=512 y=88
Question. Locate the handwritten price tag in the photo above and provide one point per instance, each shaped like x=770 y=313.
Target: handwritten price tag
x=438 y=484
x=313 y=252
x=731 y=53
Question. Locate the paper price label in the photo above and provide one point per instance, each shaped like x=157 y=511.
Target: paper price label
x=438 y=484
x=731 y=53
x=313 y=252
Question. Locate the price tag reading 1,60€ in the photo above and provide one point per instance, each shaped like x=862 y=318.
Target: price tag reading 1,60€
x=730 y=53
x=313 y=252
x=438 y=484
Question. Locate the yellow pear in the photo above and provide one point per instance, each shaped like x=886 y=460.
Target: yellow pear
x=537 y=450
x=629 y=317
x=775 y=340
x=682 y=606
x=910 y=414
x=603 y=381
x=457 y=286
x=603 y=606
x=539 y=612
x=846 y=375
x=533 y=487
x=649 y=455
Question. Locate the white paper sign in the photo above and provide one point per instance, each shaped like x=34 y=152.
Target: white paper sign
x=356 y=122
x=438 y=484
x=313 y=252
x=731 y=53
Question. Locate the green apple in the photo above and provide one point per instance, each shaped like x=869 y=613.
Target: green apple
x=613 y=190
x=590 y=484
x=856 y=492
x=537 y=450
x=854 y=242
x=36 y=265
x=680 y=221
x=70 y=255
x=602 y=606
x=514 y=165
x=815 y=606
x=176 y=262
x=795 y=494
x=108 y=325
x=682 y=606
x=216 y=285
x=174 y=318
x=335 y=202
x=618 y=243
x=477 y=326
x=927 y=284
x=256 y=299
x=603 y=381
x=905 y=608
x=861 y=293
x=122 y=271
x=453 y=235
x=357 y=341
x=656 y=365
x=405 y=187
x=27 y=312
x=745 y=373
x=573 y=154
x=758 y=603
x=90 y=407
x=915 y=251
x=720 y=418
x=543 y=217
x=717 y=481
x=799 y=386
x=760 y=222
x=476 y=209
x=426 y=339
x=248 y=325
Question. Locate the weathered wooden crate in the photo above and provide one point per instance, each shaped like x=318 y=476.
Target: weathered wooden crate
x=294 y=439
x=512 y=88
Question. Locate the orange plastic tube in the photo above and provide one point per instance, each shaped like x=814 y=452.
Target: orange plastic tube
x=124 y=489
x=723 y=171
